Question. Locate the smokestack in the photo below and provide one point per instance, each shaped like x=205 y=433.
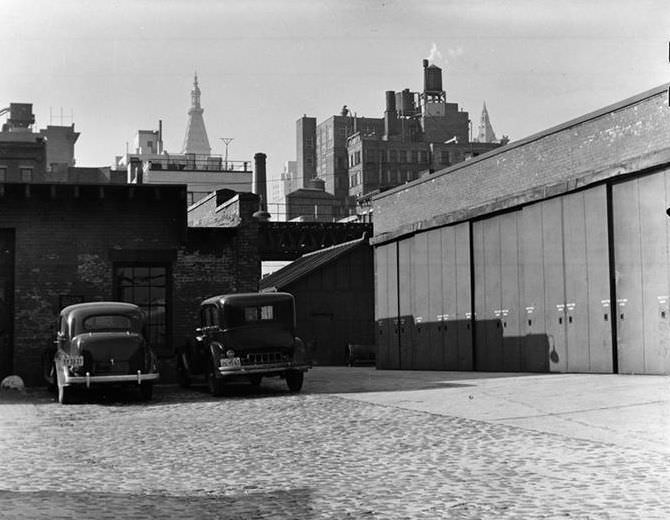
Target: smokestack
x=259 y=186
x=160 y=136
x=390 y=115
x=425 y=64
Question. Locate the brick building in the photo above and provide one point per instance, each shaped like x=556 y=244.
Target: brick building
x=23 y=154
x=64 y=243
x=549 y=254
x=356 y=156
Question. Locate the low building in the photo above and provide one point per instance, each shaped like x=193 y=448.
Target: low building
x=334 y=294
x=312 y=204
x=66 y=243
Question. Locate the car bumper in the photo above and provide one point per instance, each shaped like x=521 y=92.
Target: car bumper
x=89 y=380
x=276 y=368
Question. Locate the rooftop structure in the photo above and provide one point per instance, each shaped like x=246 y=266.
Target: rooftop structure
x=195 y=140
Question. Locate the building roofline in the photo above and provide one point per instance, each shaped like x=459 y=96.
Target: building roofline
x=633 y=100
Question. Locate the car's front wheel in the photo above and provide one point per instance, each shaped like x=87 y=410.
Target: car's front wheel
x=146 y=391
x=294 y=380
x=214 y=384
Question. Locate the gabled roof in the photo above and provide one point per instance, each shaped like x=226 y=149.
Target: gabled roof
x=309 y=263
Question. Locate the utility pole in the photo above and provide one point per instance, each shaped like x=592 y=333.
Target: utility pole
x=226 y=141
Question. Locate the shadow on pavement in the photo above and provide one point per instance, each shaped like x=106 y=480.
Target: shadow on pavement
x=319 y=380
x=37 y=505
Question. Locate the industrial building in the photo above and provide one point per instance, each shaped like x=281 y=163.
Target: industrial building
x=548 y=254
x=356 y=157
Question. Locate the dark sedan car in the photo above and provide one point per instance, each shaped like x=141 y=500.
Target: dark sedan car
x=244 y=336
x=100 y=343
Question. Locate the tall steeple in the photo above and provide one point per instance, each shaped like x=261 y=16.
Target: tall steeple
x=486 y=133
x=195 y=140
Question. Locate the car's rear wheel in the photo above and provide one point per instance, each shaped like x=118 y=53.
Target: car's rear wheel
x=49 y=371
x=215 y=384
x=294 y=380
x=255 y=380
x=64 y=392
x=146 y=391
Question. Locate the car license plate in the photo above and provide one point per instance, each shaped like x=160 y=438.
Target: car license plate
x=73 y=361
x=231 y=362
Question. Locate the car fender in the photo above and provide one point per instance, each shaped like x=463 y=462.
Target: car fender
x=216 y=352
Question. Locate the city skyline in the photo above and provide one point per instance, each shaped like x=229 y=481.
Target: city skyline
x=123 y=66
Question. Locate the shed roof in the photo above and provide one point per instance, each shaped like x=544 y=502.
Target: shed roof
x=309 y=263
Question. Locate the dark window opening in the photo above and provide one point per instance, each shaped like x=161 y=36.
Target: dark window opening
x=146 y=285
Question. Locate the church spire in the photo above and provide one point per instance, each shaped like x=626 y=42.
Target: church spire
x=486 y=133
x=195 y=140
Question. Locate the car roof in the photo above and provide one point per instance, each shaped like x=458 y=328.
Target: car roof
x=88 y=308
x=248 y=298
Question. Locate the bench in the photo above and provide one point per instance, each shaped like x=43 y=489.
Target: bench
x=356 y=353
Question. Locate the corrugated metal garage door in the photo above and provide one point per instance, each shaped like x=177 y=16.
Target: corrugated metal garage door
x=448 y=298
x=438 y=337
x=542 y=287
x=457 y=295
x=570 y=235
x=405 y=302
x=641 y=231
x=386 y=305
x=424 y=350
x=500 y=340
x=488 y=294
x=532 y=305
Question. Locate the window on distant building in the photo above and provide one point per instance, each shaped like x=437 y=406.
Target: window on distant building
x=3 y=173
x=415 y=156
x=26 y=174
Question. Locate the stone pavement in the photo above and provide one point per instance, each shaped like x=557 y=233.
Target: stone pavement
x=357 y=443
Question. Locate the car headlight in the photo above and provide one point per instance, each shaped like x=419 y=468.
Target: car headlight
x=230 y=353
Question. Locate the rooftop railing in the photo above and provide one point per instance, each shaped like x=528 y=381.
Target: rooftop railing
x=198 y=162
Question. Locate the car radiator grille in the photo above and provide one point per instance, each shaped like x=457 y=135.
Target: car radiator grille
x=264 y=358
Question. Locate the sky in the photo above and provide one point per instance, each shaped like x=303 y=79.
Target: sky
x=118 y=66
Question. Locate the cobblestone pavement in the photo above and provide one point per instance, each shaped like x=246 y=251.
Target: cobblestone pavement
x=267 y=454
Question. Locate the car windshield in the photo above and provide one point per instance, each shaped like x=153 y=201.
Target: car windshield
x=107 y=323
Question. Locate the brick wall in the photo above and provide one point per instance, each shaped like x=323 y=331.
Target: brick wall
x=65 y=238
x=213 y=261
x=613 y=141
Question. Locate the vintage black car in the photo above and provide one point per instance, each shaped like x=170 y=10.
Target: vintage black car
x=244 y=336
x=100 y=343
